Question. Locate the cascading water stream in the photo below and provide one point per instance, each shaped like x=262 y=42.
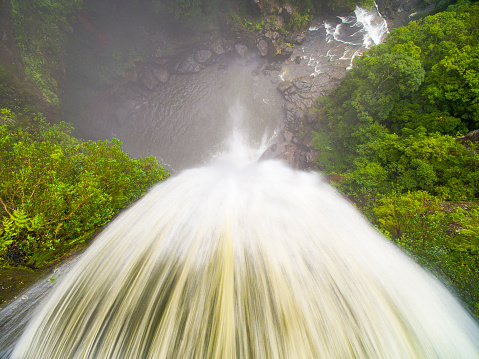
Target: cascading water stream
x=333 y=43
x=246 y=259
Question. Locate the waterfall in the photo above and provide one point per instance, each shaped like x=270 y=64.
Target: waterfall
x=365 y=28
x=374 y=25
x=246 y=259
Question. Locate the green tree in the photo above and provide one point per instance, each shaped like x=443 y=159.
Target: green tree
x=56 y=191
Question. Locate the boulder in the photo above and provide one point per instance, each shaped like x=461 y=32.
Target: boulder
x=287 y=11
x=203 y=56
x=148 y=79
x=160 y=73
x=188 y=66
x=241 y=49
x=302 y=83
x=263 y=47
x=217 y=47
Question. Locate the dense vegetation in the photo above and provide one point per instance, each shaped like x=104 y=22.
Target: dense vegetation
x=41 y=28
x=56 y=191
x=388 y=132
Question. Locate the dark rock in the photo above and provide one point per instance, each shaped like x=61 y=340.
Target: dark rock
x=321 y=79
x=288 y=136
x=300 y=39
x=286 y=51
x=148 y=79
x=161 y=61
x=241 y=49
x=275 y=151
x=284 y=86
x=140 y=90
x=472 y=138
x=217 y=47
x=188 y=66
x=263 y=47
x=297 y=60
x=287 y=12
x=161 y=74
x=302 y=83
x=256 y=5
x=228 y=45
x=273 y=35
x=255 y=72
x=203 y=56
x=273 y=67
x=132 y=75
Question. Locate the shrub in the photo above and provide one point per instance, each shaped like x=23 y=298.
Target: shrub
x=56 y=191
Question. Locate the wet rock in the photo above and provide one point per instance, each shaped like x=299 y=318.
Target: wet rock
x=132 y=75
x=302 y=83
x=140 y=90
x=161 y=74
x=312 y=156
x=273 y=35
x=256 y=5
x=321 y=79
x=273 y=67
x=263 y=47
x=300 y=39
x=287 y=11
x=241 y=49
x=284 y=86
x=217 y=47
x=286 y=51
x=275 y=151
x=472 y=138
x=148 y=79
x=203 y=56
x=288 y=136
x=188 y=66
x=228 y=45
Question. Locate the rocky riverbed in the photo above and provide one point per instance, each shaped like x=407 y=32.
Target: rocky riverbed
x=282 y=75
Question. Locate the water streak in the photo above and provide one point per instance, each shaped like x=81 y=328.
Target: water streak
x=247 y=260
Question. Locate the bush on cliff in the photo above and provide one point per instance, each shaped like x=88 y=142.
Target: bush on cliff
x=56 y=191
x=388 y=133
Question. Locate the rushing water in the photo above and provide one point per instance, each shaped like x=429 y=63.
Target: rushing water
x=239 y=258
x=332 y=43
x=246 y=259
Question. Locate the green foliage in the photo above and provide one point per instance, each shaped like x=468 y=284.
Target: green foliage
x=412 y=219
x=13 y=93
x=40 y=32
x=387 y=125
x=416 y=161
x=349 y=4
x=55 y=191
x=300 y=20
x=115 y=63
x=468 y=238
x=195 y=14
x=420 y=224
x=387 y=132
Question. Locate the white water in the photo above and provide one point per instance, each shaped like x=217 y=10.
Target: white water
x=365 y=28
x=247 y=259
x=373 y=24
x=333 y=43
